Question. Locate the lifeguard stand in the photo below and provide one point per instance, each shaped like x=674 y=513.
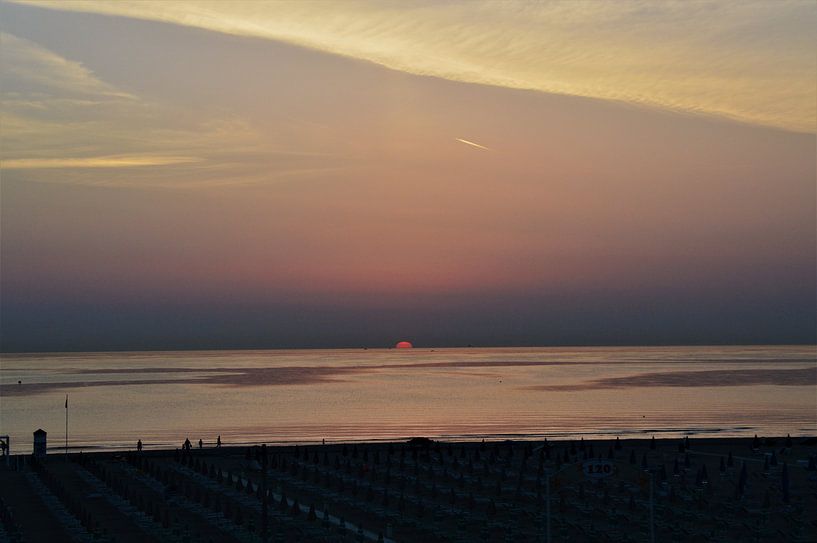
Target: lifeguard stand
x=40 y=443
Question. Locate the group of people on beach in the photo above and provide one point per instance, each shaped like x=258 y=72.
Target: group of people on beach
x=186 y=446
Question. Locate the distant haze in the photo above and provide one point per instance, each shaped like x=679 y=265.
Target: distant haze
x=166 y=185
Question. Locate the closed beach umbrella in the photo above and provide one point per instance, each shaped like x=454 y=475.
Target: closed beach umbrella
x=785 y=483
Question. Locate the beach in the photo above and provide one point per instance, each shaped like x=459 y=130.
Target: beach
x=619 y=444
x=699 y=489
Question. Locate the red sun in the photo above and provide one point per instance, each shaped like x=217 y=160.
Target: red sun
x=403 y=345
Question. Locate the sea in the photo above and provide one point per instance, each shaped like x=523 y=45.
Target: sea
x=306 y=396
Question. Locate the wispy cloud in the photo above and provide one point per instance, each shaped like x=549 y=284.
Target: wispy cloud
x=43 y=71
x=96 y=162
x=61 y=122
x=749 y=61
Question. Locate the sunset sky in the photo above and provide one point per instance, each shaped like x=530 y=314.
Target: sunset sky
x=190 y=174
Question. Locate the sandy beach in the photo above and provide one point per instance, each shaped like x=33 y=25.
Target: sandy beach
x=423 y=490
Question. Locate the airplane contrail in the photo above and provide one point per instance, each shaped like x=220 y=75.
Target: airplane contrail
x=477 y=145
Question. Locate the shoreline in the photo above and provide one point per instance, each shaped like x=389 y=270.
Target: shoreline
x=698 y=434
x=701 y=438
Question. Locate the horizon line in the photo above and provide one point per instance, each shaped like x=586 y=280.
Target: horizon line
x=418 y=348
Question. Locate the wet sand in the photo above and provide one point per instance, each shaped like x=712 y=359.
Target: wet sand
x=302 y=375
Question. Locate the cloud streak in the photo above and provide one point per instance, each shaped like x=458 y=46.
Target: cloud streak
x=96 y=162
x=748 y=61
x=472 y=144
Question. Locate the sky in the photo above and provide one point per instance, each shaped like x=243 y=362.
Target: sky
x=183 y=175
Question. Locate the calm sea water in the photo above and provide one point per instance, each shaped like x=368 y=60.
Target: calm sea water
x=308 y=395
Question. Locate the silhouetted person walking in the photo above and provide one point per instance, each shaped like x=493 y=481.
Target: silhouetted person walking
x=139 y=446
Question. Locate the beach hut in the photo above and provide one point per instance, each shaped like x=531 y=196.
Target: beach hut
x=40 y=443
x=5 y=448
